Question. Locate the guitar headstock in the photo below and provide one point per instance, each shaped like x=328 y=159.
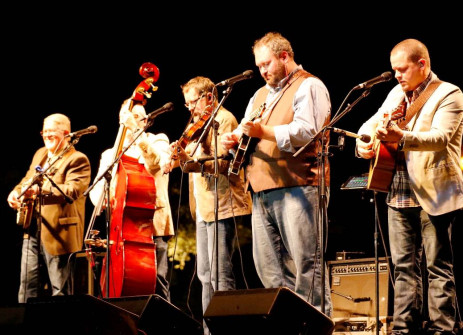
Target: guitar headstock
x=386 y=121
x=257 y=113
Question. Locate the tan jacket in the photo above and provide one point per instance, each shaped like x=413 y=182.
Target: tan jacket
x=232 y=198
x=62 y=223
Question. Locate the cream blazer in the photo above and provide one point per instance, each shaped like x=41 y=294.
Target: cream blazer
x=432 y=147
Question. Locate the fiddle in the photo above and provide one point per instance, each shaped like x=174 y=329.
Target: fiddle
x=191 y=133
x=194 y=130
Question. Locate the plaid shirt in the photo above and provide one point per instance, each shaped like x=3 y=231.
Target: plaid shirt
x=400 y=194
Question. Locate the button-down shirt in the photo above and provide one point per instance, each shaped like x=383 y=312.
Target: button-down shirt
x=401 y=194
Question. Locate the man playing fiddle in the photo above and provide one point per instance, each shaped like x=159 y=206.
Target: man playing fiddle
x=200 y=96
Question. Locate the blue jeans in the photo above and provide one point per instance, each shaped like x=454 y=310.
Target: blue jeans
x=59 y=271
x=412 y=231
x=206 y=258
x=286 y=242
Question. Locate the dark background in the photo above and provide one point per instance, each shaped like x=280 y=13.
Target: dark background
x=83 y=61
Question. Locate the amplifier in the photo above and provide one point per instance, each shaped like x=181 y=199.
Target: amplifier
x=353 y=294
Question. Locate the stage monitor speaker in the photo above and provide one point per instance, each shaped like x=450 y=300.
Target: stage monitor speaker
x=264 y=311
x=12 y=319
x=77 y=314
x=158 y=316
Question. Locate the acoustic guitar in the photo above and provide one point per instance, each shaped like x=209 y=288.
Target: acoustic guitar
x=25 y=211
x=241 y=153
x=382 y=166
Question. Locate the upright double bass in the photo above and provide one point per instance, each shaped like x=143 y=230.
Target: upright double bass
x=129 y=266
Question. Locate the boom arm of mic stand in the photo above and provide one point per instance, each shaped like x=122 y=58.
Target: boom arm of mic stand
x=44 y=173
x=334 y=120
x=69 y=200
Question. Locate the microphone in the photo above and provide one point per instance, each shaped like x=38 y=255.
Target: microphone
x=386 y=76
x=362 y=299
x=203 y=159
x=166 y=108
x=364 y=138
x=79 y=133
x=230 y=81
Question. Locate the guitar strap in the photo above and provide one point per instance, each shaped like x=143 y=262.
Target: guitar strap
x=291 y=80
x=418 y=103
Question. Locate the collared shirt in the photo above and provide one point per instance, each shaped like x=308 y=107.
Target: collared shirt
x=311 y=105
x=401 y=195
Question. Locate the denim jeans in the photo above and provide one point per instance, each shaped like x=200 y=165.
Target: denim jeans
x=286 y=242
x=412 y=231
x=59 y=270
x=206 y=258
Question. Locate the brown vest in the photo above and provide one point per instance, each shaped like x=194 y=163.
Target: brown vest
x=270 y=168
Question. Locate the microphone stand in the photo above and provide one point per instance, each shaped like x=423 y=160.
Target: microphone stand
x=322 y=156
x=375 y=238
x=108 y=176
x=216 y=175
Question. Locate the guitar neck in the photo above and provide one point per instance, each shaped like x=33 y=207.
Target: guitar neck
x=243 y=144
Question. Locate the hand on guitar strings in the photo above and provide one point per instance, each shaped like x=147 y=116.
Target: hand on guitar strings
x=229 y=140
x=390 y=133
x=365 y=150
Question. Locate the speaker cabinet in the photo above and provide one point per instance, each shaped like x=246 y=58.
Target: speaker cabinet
x=353 y=294
x=158 y=316
x=77 y=314
x=12 y=319
x=264 y=311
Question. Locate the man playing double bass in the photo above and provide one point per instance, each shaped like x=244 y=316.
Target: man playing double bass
x=153 y=152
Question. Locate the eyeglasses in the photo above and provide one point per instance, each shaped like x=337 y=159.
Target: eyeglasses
x=46 y=134
x=192 y=104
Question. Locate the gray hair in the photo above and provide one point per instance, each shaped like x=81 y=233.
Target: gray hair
x=62 y=121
